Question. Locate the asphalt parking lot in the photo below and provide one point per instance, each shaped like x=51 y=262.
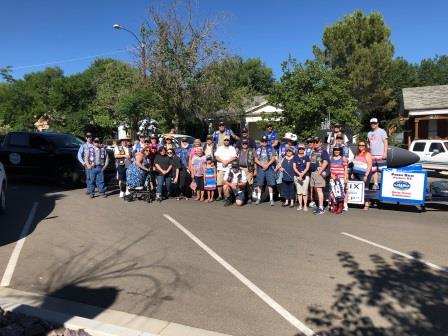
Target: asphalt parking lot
x=256 y=270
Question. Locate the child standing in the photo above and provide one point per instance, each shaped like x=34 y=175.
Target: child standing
x=210 y=178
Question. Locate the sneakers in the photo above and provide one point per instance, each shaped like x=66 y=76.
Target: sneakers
x=228 y=202
x=319 y=211
x=272 y=202
x=312 y=204
x=375 y=187
x=103 y=195
x=258 y=201
x=92 y=195
x=121 y=194
x=219 y=198
x=127 y=193
x=299 y=208
x=345 y=207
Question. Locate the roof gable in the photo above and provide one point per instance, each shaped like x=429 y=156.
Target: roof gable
x=425 y=97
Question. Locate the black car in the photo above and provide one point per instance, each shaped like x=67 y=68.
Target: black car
x=46 y=155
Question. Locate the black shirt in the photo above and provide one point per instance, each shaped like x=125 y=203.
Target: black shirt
x=163 y=161
x=175 y=162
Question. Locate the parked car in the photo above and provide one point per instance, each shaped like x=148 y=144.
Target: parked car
x=3 y=185
x=433 y=153
x=46 y=155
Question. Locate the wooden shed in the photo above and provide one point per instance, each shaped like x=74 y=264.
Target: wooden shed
x=427 y=110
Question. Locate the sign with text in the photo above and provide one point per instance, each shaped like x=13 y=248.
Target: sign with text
x=403 y=186
x=355 y=192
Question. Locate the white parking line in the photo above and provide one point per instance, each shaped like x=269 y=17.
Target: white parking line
x=7 y=276
x=265 y=297
x=427 y=263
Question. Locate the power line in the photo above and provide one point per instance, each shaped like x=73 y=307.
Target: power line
x=70 y=60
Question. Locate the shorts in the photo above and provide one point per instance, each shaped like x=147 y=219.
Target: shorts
x=378 y=163
x=317 y=180
x=239 y=195
x=265 y=175
x=302 y=186
x=220 y=177
x=249 y=175
x=121 y=173
x=199 y=182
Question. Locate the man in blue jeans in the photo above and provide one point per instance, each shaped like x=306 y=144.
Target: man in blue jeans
x=96 y=161
x=265 y=160
x=81 y=152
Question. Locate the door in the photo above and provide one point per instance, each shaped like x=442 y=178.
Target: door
x=437 y=153
x=419 y=148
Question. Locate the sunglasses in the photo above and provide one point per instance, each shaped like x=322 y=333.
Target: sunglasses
x=170 y=152
x=226 y=140
x=361 y=145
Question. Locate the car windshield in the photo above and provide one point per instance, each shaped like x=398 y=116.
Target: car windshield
x=64 y=140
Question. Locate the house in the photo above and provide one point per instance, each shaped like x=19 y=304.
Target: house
x=427 y=110
x=254 y=110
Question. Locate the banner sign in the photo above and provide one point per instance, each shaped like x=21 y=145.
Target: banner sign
x=403 y=186
x=355 y=192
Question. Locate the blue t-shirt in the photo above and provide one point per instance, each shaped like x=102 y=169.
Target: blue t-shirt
x=301 y=163
x=317 y=157
x=288 y=166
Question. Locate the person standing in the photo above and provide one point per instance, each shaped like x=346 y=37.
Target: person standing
x=163 y=167
x=139 y=145
x=302 y=177
x=96 y=160
x=318 y=164
x=81 y=154
x=265 y=161
x=169 y=142
x=286 y=166
x=197 y=164
x=339 y=169
x=139 y=169
x=378 y=142
x=362 y=167
x=183 y=152
x=210 y=178
x=337 y=131
x=245 y=136
x=221 y=133
x=272 y=136
x=175 y=171
x=246 y=161
x=234 y=185
x=209 y=147
x=122 y=161
x=224 y=155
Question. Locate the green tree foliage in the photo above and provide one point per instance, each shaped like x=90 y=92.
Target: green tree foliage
x=307 y=94
x=359 y=46
x=433 y=71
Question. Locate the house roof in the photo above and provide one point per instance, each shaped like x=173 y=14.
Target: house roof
x=426 y=98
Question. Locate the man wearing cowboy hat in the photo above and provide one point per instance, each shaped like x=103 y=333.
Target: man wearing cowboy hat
x=123 y=157
x=169 y=142
x=289 y=142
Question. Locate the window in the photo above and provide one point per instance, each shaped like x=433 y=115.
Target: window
x=436 y=145
x=19 y=139
x=419 y=146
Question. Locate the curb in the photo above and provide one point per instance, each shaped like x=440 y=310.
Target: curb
x=107 y=322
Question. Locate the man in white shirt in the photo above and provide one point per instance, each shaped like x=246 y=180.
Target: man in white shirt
x=378 y=142
x=224 y=155
x=234 y=184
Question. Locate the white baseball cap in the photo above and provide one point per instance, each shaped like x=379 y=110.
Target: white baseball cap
x=374 y=121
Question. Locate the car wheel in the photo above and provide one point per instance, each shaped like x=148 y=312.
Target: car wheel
x=2 y=201
x=67 y=177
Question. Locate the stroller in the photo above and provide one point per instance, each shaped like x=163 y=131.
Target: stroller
x=336 y=196
x=144 y=192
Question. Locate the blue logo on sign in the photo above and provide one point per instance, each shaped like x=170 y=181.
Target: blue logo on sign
x=402 y=185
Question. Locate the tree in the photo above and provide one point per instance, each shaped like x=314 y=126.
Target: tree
x=178 y=52
x=433 y=71
x=359 y=46
x=307 y=94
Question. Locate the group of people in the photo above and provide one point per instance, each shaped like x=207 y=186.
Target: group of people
x=237 y=170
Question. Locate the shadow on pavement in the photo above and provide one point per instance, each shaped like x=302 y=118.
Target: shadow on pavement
x=410 y=298
x=20 y=200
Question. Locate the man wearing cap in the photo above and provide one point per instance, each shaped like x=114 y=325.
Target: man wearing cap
x=122 y=161
x=272 y=136
x=234 y=184
x=169 y=142
x=245 y=135
x=246 y=161
x=139 y=145
x=265 y=161
x=378 y=149
x=96 y=160
x=209 y=147
x=81 y=153
x=309 y=146
x=183 y=152
x=337 y=131
x=224 y=155
x=221 y=133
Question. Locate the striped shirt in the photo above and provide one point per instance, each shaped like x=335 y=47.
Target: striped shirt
x=338 y=166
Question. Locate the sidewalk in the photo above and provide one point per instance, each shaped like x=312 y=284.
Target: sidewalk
x=107 y=322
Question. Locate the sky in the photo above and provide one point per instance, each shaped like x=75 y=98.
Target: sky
x=72 y=33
